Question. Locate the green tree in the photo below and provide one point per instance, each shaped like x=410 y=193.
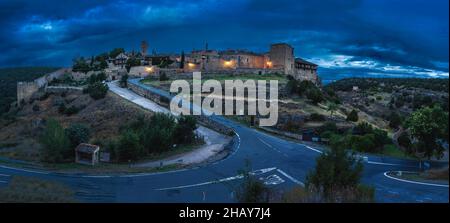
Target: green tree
x=132 y=62
x=124 y=81
x=332 y=107
x=182 y=60
x=129 y=147
x=56 y=144
x=315 y=95
x=251 y=189
x=77 y=133
x=428 y=125
x=337 y=172
x=184 y=130
x=97 y=90
x=80 y=65
x=394 y=120
x=353 y=116
x=115 y=52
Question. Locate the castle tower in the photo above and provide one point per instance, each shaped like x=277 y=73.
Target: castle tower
x=282 y=56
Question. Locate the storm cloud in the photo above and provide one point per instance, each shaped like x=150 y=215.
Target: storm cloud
x=388 y=37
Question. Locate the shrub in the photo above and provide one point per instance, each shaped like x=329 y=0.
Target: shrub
x=394 y=120
x=56 y=144
x=335 y=171
x=97 y=90
x=327 y=134
x=77 y=133
x=71 y=110
x=251 y=189
x=329 y=127
x=124 y=81
x=317 y=117
x=315 y=95
x=404 y=140
x=353 y=116
x=184 y=131
x=129 y=147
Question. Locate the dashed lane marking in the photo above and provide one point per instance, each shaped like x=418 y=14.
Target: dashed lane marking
x=275 y=149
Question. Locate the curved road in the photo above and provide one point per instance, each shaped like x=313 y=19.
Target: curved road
x=280 y=163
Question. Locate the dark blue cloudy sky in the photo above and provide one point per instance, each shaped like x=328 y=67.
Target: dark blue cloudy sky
x=346 y=37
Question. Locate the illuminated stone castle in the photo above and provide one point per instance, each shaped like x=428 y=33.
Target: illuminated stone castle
x=280 y=59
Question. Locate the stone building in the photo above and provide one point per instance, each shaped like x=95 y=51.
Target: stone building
x=305 y=70
x=282 y=56
x=280 y=59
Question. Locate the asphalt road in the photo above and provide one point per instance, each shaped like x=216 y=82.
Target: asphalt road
x=279 y=163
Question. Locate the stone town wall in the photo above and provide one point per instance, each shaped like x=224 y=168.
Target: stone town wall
x=203 y=120
x=306 y=74
x=26 y=89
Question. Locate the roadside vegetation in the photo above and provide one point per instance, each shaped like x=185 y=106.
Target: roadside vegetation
x=147 y=137
x=32 y=190
x=335 y=179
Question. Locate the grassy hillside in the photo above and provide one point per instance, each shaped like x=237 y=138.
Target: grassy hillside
x=9 y=78
x=387 y=84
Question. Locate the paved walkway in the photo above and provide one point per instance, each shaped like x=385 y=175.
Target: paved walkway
x=214 y=141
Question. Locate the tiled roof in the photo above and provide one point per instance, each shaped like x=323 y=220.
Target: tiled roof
x=302 y=61
x=87 y=148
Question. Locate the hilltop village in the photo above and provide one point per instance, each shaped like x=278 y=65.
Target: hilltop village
x=354 y=109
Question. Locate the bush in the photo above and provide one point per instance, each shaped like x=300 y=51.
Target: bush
x=97 y=90
x=353 y=116
x=404 y=140
x=251 y=189
x=315 y=95
x=56 y=144
x=77 y=133
x=124 y=81
x=317 y=117
x=394 y=120
x=335 y=171
x=327 y=134
x=184 y=131
x=129 y=147
x=328 y=127
x=71 y=110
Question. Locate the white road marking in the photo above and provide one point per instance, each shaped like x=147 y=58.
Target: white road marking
x=316 y=150
x=387 y=164
x=3 y=182
x=24 y=170
x=291 y=178
x=4 y=175
x=270 y=146
x=414 y=182
x=272 y=180
x=93 y=176
x=256 y=172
